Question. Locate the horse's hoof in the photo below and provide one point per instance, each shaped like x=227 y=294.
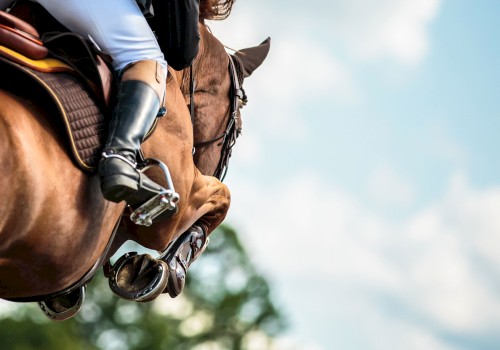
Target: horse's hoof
x=180 y=255
x=138 y=277
x=63 y=307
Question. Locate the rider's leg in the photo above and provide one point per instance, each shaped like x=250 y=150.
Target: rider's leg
x=121 y=31
x=140 y=93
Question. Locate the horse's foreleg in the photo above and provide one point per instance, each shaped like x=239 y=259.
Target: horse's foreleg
x=205 y=202
x=210 y=204
x=191 y=243
x=206 y=208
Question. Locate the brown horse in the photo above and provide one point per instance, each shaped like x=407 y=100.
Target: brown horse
x=55 y=226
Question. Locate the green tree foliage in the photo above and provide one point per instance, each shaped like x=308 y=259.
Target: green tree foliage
x=225 y=305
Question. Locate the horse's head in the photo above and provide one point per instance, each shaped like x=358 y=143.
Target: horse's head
x=215 y=99
x=218 y=75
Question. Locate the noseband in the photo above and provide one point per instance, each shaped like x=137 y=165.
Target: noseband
x=228 y=137
x=227 y=141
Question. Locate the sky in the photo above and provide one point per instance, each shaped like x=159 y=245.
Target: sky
x=366 y=184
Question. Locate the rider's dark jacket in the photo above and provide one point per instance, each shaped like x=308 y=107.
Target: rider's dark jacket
x=175 y=24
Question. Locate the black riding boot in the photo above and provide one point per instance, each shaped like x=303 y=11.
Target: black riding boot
x=133 y=116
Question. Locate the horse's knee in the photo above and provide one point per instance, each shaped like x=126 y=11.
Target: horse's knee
x=220 y=202
x=221 y=197
x=226 y=199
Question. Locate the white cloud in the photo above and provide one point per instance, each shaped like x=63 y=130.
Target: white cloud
x=309 y=231
x=295 y=73
x=249 y=149
x=388 y=187
x=298 y=63
x=313 y=56
x=397 y=29
x=406 y=336
x=443 y=145
x=299 y=69
x=303 y=68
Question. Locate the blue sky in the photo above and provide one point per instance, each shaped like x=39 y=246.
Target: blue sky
x=365 y=182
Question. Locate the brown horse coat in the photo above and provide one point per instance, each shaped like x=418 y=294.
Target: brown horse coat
x=54 y=222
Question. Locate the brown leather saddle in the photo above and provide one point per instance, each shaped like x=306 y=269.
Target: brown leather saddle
x=71 y=74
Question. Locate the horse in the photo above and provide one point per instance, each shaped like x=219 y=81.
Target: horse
x=57 y=230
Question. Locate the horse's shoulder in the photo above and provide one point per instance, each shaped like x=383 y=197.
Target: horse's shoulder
x=13 y=106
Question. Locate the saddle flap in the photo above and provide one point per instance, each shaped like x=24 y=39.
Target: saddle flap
x=85 y=59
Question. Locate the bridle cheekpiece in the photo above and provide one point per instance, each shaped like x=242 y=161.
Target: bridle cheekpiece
x=228 y=137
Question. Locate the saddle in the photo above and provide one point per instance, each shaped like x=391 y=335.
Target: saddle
x=70 y=73
x=73 y=80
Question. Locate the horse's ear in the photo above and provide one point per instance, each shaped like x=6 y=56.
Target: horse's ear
x=252 y=57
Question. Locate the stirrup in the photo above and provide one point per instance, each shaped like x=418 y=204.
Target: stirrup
x=107 y=155
x=164 y=201
x=55 y=310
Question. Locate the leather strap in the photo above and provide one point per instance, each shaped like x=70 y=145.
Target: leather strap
x=9 y=20
x=22 y=42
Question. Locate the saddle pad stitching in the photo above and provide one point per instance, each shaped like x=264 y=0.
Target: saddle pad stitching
x=63 y=112
x=66 y=120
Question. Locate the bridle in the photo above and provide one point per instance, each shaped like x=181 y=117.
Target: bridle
x=228 y=137
x=227 y=141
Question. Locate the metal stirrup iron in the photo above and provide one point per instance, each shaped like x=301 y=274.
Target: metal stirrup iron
x=166 y=200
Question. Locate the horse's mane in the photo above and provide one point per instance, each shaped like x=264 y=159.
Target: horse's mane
x=215 y=9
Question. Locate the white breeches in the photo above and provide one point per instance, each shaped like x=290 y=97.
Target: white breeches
x=116 y=26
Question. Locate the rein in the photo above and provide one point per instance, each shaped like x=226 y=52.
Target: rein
x=228 y=137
